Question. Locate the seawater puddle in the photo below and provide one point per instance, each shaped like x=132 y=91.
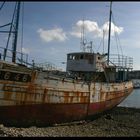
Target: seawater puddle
x=133 y=100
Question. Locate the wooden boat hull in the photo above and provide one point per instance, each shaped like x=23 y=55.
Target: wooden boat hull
x=49 y=99
x=29 y=93
x=48 y=114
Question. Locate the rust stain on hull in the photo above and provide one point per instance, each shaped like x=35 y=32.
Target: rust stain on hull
x=91 y=84
x=50 y=100
x=47 y=114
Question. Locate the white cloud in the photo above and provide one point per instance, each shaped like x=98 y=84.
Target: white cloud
x=89 y=26
x=56 y=34
x=114 y=29
x=92 y=27
x=25 y=50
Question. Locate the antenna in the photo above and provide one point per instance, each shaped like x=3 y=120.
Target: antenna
x=85 y=46
x=83 y=40
x=103 y=39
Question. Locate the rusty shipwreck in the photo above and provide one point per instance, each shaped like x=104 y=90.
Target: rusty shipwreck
x=92 y=84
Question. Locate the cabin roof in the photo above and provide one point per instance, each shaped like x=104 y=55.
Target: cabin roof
x=81 y=53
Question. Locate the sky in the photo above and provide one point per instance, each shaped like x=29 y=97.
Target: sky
x=53 y=29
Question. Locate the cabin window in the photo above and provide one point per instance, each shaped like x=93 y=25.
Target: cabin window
x=82 y=56
x=73 y=57
x=77 y=57
x=69 y=57
x=86 y=56
x=90 y=59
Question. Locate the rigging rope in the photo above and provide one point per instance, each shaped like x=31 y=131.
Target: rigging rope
x=2 y=5
x=102 y=41
x=117 y=37
x=5 y=52
x=22 y=32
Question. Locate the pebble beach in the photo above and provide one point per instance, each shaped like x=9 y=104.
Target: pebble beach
x=119 y=122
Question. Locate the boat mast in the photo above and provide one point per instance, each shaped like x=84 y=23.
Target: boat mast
x=109 y=31
x=14 y=45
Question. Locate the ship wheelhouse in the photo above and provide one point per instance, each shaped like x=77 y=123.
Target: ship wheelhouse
x=84 y=65
x=94 y=67
x=84 y=62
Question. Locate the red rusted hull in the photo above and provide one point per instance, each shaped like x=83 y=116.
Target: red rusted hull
x=31 y=94
x=48 y=114
x=38 y=98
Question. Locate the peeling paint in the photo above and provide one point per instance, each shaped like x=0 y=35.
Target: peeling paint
x=55 y=91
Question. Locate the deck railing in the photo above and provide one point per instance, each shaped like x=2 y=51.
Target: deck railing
x=21 y=58
x=121 y=61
